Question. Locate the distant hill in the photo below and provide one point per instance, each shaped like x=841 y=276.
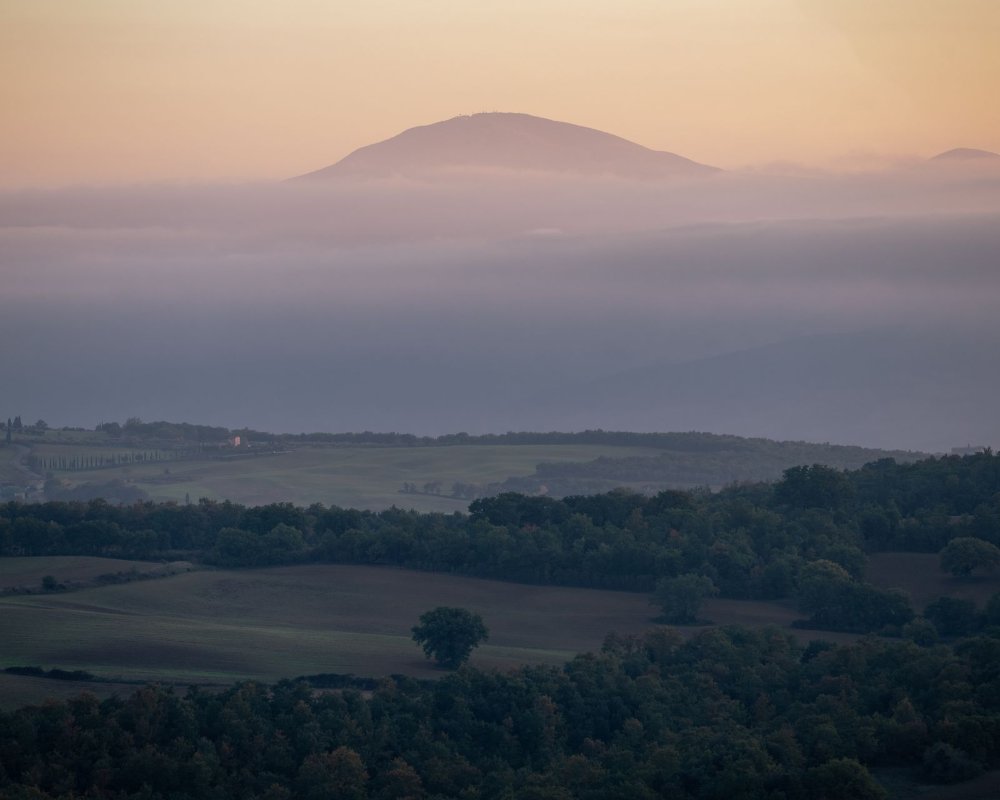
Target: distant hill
x=511 y=142
x=875 y=387
x=175 y=461
x=966 y=154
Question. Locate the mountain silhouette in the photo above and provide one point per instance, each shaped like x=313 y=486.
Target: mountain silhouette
x=507 y=142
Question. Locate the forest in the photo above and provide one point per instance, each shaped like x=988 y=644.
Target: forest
x=728 y=714
x=724 y=713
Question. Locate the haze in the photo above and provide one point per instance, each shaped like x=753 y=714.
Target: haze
x=857 y=310
x=772 y=221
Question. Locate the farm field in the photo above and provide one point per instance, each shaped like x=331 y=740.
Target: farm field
x=28 y=572
x=220 y=626
x=921 y=577
x=281 y=622
x=355 y=477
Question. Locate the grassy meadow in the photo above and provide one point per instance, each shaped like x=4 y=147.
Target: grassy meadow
x=216 y=626
x=219 y=626
x=212 y=627
x=356 y=477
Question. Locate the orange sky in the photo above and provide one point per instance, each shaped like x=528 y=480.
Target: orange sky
x=110 y=91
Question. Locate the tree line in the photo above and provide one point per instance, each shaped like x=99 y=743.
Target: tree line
x=91 y=461
x=692 y=442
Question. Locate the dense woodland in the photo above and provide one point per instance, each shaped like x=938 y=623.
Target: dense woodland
x=729 y=713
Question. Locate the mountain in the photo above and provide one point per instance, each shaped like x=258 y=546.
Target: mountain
x=966 y=154
x=507 y=142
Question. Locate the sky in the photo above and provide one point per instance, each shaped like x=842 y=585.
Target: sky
x=132 y=91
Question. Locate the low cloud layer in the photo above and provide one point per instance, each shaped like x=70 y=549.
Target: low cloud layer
x=508 y=303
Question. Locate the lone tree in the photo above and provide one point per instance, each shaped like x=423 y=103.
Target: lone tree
x=448 y=635
x=680 y=598
x=966 y=553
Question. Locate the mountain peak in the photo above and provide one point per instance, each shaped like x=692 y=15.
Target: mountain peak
x=507 y=142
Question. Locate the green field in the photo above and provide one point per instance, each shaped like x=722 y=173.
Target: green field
x=356 y=477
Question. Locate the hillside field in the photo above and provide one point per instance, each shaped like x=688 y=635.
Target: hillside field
x=219 y=626
x=921 y=577
x=212 y=627
x=351 y=477
x=27 y=573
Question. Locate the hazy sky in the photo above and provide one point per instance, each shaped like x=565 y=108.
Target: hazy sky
x=131 y=90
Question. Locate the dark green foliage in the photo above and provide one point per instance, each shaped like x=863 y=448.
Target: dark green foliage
x=55 y=674
x=337 y=775
x=449 y=635
x=921 y=631
x=235 y=547
x=946 y=764
x=817 y=486
x=964 y=554
x=991 y=614
x=836 y=602
x=843 y=779
x=730 y=713
x=681 y=598
x=953 y=616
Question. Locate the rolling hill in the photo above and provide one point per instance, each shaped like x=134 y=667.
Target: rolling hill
x=878 y=387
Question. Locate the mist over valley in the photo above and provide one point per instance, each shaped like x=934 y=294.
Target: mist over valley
x=849 y=308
